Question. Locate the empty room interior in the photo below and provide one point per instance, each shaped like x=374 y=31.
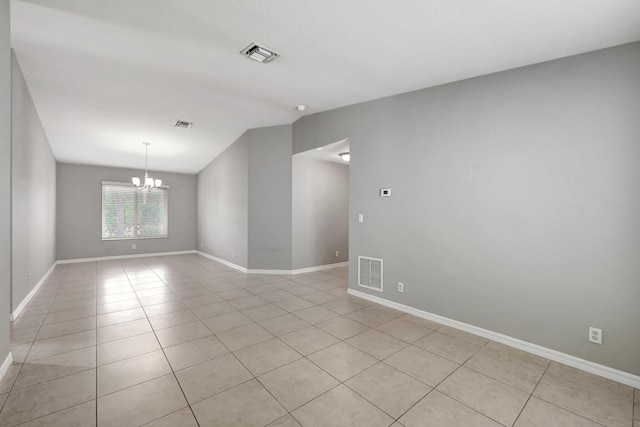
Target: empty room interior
x=319 y=213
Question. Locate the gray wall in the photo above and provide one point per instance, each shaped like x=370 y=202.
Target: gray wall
x=270 y=197
x=223 y=195
x=79 y=220
x=5 y=178
x=33 y=193
x=320 y=212
x=516 y=199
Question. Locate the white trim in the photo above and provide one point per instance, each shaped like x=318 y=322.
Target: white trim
x=320 y=268
x=261 y=271
x=13 y=316
x=5 y=365
x=585 y=365
x=282 y=272
x=222 y=261
x=300 y=270
x=110 y=258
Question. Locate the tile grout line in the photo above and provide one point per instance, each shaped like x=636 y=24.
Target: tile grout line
x=635 y=409
x=392 y=367
x=557 y=406
x=319 y=367
x=42 y=382
x=341 y=382
x=531 y=394
x=200 y=275
x=254 y=377
x=443 y=380
x=25 y=357
x=173 y=372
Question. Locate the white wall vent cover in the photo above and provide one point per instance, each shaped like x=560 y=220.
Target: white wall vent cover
x=370 y=273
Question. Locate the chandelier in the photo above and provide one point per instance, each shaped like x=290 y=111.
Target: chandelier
x=149 y=184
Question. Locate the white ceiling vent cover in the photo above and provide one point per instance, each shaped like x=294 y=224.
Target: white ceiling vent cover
x=259 y=53
x=183 y=124
x=370 y=273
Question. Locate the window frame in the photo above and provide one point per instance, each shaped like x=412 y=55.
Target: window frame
x=165 y=188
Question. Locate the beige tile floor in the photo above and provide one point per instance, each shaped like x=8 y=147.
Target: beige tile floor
x=185 y=341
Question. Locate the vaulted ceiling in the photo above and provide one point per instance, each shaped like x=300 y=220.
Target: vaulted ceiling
x=107 y=76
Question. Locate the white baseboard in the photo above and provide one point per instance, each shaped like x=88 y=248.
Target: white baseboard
x=320 y=268
x=281 y=272
x=567 y=359
x=13 y=316
x=300 y=270
x=5 y=365
x=115 y=257
x=223 y=261
x=263 y=271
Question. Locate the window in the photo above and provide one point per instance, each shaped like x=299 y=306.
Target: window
x=131 y=214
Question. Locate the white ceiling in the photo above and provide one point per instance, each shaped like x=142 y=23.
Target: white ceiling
x=106 y=76
x=327 y=153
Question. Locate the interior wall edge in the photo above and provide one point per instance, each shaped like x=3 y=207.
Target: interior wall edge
x=223 y=261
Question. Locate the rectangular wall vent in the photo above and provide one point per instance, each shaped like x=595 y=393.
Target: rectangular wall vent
x=370 y=273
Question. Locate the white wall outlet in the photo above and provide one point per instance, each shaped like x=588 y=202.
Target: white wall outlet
x=233 y=254
x=385 y=192
x=202 y=244
x=400 y=287
x=360 y=217
x=337 y=254
x=595 y=335
x=133 y=246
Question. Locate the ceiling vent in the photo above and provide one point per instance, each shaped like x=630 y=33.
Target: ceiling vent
x=259 y=53
x=183 y=124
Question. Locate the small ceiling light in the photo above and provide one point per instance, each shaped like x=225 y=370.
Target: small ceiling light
x=149 y=184
x=183 y=124
x=259 y=53
x=301 y=107
x=345 y=156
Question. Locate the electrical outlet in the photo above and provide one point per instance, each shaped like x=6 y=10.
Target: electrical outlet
x=133 y=246
x=595 y=335
x=337 y=254
x=202 y=244
x=233 y=254
x=400 y=287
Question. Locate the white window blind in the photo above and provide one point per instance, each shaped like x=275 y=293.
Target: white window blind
x=131 y=214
